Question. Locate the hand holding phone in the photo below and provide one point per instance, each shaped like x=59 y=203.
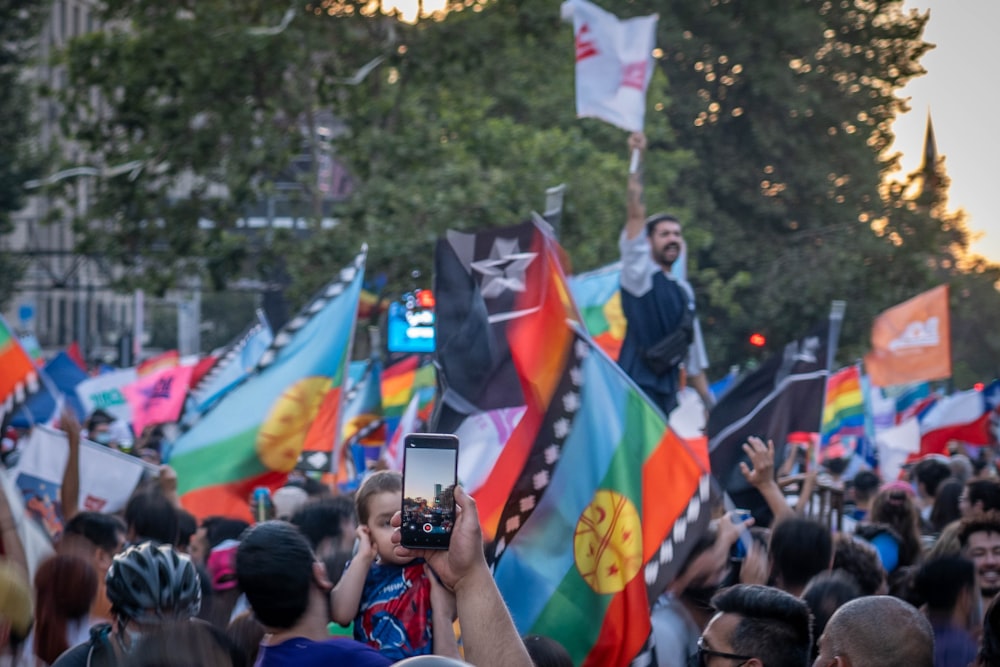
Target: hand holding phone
x=430 y=473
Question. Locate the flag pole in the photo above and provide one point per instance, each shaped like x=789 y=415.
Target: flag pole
x=837 y=308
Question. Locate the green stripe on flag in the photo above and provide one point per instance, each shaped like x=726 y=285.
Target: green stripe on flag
x=594 y=319
x=5 y=336
x=229 y=460
x=575 y=604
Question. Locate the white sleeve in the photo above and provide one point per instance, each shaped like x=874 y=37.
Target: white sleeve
x=697 y=359
x=637 y=266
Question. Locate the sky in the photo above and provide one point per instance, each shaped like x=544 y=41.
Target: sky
x=427 y=467
x=962 y=97
x=958 y=91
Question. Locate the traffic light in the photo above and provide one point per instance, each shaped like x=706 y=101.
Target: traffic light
x=758 y=339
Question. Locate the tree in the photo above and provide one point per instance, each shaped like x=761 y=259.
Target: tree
x=770 y=126
x=20 y=160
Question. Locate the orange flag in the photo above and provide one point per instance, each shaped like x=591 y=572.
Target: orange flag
x=911 y=342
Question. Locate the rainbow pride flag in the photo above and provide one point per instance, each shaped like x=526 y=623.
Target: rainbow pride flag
x=261 y=429
x=844 y=409
x=411 y=376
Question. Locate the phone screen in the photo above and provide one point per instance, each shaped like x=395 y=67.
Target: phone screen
x=430 y=472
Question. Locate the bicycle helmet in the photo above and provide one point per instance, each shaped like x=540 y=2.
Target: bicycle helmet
x=152 y=583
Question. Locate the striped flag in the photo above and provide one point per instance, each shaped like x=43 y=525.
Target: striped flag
x=261 y=430
x=18 y=375
x=844 y=409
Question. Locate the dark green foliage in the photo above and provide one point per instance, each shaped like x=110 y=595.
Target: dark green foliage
x=769 y=122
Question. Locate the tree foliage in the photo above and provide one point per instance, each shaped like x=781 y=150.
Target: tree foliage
x=20 y=159
x=770 y=124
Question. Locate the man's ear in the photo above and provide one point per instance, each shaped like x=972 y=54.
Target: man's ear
x=104 y=557
x=320 y=577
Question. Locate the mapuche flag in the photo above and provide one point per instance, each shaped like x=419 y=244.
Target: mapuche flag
x=594 y=502
x=272 y=422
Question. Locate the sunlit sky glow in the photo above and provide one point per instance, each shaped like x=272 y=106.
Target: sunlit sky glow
x=408 y=8
x=960 y=92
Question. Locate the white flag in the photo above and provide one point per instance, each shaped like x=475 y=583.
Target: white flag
x=106 y=392
x=614 y=63
x=107 y=477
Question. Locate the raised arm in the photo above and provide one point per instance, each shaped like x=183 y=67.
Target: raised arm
x=761 y=476
x=69 y=492
x=488 y=632
x=635 y=207
x=345 y=598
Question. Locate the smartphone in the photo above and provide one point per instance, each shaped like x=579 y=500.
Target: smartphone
x=430 y=473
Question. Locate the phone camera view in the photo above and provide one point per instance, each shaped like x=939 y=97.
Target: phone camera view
x=429 y=493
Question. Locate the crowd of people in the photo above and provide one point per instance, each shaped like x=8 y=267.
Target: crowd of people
x=902 y=572
x=896 y=572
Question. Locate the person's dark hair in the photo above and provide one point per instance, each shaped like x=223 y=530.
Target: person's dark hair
x=185 y=643
x=97 y=418
x=274 y=568
x=378 y=482
x=547 y=652
x=946 y=509
x=930 y=473
x=989 y=645
x=979 y=522
x=187 y=526
x=151 y=516
x=775 y=626
x=938 y=583
x=102 y=530
x=65 y=587
x=245 y=631
x=218 y=529
x=866 y=485
x=323 y=518
x=152 y=583
x=825 y=594
x=985 y=491
x=335 y=564
x=859 y=559
x=800 y=549
x=896 y=509
x=655 y=219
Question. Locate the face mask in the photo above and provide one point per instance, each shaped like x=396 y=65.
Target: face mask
x=103 y=438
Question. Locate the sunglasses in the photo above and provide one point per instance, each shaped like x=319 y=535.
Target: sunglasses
x=704 y=653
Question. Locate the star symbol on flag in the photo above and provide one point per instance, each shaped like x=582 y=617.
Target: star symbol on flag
x=506 y=268
x=576 y=376
x=571 y=401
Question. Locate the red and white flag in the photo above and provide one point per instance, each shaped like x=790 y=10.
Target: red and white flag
x=614 y=63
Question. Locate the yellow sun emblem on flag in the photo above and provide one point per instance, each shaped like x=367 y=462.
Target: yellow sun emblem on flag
x=283 y=432
x=607 y=543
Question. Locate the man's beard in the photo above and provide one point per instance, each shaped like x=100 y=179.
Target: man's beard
x=663 y=259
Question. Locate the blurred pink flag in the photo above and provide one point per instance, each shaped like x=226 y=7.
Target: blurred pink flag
x=158 y=398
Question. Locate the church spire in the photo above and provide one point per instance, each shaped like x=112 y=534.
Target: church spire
x=930 y=149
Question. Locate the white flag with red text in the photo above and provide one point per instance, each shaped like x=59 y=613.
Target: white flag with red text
x=614 y=63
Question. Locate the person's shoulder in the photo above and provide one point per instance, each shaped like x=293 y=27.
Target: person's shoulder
x=360 y=655
x=77 y=655
x=303 y=652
